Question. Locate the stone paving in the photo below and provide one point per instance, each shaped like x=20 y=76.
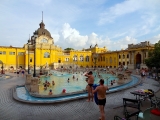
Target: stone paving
x=11 y=109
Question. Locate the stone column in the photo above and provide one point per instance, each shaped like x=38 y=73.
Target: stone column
x=131 y=60
x=121 y=59
x=146 y=54
x=142 y=60
x=142 y=57
x=132 y=57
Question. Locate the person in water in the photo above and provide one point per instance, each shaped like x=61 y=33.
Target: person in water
x=64 y=91
x=53 y=83
x=50 y=92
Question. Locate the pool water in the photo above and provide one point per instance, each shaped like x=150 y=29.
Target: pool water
x=23 y=94
x=73 y=85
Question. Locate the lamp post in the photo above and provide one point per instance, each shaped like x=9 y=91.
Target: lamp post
x=34 y=42
x=95 y=57
x=29 y=42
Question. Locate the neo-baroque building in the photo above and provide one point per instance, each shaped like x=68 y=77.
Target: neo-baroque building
x=44 y=52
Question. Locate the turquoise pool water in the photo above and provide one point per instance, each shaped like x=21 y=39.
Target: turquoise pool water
x=78 y=83
x=23 y=94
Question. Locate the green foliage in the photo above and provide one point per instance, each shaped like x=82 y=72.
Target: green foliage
x=69 y=49
x=154 y=57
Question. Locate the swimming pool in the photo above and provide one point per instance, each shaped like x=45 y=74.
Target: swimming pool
x=21 y=94
x=78 y=83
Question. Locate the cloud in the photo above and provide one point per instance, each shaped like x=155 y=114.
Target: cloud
x=70 y=37
x=154 y=39
x=123 y=43
x=129 y=20
x=126 y=7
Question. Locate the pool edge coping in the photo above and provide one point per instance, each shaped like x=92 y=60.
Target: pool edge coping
x=15 y=96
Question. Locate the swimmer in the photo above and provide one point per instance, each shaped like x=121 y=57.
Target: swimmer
x=48 y=84
x=53 y=83
x=50 y=92
x=45 y=87
x=111 y=82
x=114 y=81
x=64 y=91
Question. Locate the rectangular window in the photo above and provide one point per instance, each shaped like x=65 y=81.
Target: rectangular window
x=11 y=53
x=20 y=53
x=67 y=59
x=2 y=52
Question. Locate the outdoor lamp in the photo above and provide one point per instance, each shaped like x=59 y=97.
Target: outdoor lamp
x=34 y=42
x=29 y=42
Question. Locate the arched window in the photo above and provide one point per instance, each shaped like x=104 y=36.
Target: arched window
x=30 y=59
x=123 y=56
x=106 y=60
x=110 y=60
x=103 y=58
x=81 y=58
x=46 y=55
x=75 y=58
x=114 y=60
x=87 y=58
x=67 y=59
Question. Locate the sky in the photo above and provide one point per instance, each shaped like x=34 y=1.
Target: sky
x=79 y=24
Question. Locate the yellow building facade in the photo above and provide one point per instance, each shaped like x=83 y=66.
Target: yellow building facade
x=45 y=53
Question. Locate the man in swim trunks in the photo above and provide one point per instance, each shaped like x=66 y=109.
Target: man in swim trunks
x=22 y=72
x=90 y=82
x=101 y=94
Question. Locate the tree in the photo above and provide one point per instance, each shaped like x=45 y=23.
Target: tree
x=69 y=49
x=154 y=58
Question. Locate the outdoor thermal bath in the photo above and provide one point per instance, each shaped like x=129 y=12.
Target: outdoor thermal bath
x=74 y=85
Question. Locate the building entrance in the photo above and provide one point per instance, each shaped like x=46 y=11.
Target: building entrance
x=138 y=61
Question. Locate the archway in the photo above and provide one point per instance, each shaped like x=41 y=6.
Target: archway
x=138 y=60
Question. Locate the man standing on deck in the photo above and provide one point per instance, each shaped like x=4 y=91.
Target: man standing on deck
x=90 y=84
x=101 y=94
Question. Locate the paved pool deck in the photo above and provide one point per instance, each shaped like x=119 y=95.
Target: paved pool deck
x=11 y=109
